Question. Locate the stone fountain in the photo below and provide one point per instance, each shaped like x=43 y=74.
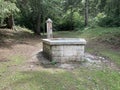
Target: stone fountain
x=62 y=49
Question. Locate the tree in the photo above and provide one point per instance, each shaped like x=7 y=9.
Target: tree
x=113 y=8
x=71 y=6
x=34 y=14
x=8 y=8
x=86 y=12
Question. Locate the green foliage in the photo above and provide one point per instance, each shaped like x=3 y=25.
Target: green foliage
x=65 y=25
x=7 y=8
x=66 y=14
x=78 y=21
x=103 y=13
x=109 y=22
x=53 y=62
x=112 y=8
x=31 y=11
x=95 y=21
x=112 y=11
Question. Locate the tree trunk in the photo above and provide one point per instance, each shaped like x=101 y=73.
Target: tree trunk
x=86 y=12
x=10 y=22
x=38 y=29
x=71 y=18
x=43 y=25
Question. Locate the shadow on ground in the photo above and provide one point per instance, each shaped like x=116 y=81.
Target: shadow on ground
x=8 y=38
x=90 y=61
x=45 y=62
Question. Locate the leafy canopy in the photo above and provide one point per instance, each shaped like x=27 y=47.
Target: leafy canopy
x=7 y=8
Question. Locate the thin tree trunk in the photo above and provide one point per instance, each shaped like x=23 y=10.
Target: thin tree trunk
x=71 y=18
x=38 y=29
x=86 y=12
x=10 y=22
x=43 y=25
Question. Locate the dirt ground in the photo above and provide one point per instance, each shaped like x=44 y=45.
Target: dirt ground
x=31 y=50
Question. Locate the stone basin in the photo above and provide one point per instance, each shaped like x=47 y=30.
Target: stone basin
x=64 y=49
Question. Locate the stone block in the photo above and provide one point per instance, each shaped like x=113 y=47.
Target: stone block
x=57 y=53
x=64 y=50
x=57 y=48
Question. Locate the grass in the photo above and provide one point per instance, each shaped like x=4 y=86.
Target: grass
x=104 y=41
x=114 y=56
x=83 y=78
x=79 y=79
x=105 y=35
x=68 y=34
x=14 y=60
x=8 y=69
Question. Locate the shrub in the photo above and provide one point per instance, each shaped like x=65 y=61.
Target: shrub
x=74 y=23
x=94 y=21
x=109 y=22
x=78 y=21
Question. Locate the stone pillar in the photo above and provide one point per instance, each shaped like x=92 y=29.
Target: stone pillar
x=49 y=28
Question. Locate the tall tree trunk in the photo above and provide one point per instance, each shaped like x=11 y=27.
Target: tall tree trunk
x=10 y=22
x=86 y=12
x=43 y=25
x=71 y=18
x=38 y=29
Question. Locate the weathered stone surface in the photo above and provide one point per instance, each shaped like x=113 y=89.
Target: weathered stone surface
x=57 y=53
x=49 y=28
x=57 y=48
x=65 y=41
x=64 y=52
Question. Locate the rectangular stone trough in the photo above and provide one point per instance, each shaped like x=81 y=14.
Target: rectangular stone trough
x=64 y=49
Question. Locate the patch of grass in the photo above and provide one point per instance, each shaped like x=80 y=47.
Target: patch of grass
x=8 y=69
x=50 y=79
x=79 y=79
x=105 y=42
x=14 y=60
x=66 y=34
x=98 y=79
x=107 y=52
x=114 y=56
x=53 y=62
x=17 y=59
x=105 y=35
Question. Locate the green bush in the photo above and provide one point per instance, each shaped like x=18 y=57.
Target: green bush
x=109 y=22
x=65 y=25
x=74 y=23
x=104 y=21
x=94 y=21
x=78 y=21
